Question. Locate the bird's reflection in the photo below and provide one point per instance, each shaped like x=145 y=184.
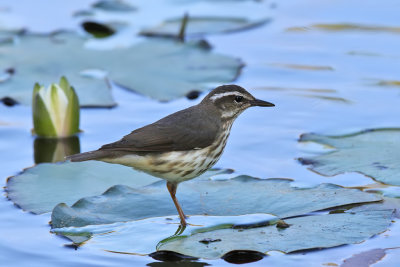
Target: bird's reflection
x=55 y=149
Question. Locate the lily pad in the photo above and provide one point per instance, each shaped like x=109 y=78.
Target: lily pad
x=202 y=25
x=307 y=232
x=39 y=189
x=108 y=236
x=374 y=153
x=237 y=196
x=114 y=6
x=105 y=222
x=143 y=68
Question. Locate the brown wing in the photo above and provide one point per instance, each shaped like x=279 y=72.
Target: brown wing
x=183 y=130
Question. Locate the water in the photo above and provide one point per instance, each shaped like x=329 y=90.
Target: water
x=347 y=64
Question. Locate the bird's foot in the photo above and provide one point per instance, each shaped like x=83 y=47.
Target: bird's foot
x=180 y=229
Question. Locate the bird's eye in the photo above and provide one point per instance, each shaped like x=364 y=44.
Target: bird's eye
x=238 y=98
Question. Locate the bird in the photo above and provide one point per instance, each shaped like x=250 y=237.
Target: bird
x=183 y=145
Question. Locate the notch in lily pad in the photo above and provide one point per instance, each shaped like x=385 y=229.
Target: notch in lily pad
x=55 y=110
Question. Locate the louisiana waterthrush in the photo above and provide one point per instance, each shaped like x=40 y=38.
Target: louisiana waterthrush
x=182 y=145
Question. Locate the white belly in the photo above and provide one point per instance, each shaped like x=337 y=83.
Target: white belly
x=175 y=166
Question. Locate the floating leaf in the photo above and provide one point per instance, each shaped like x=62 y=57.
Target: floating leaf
x=388 y=203
x=202 y=25
x=347 y=27
x=329 y=98
x=140 y=229
x=364 y=53
x=322 y=94
x=374 y=153
x=40 y=188
x=54 y=56
x=306 y=232
x=237 y=196
x=303 y=67
x=389 y=83
x=144 y=68
x=91 y=219
x=312 y=90
x=114 y=5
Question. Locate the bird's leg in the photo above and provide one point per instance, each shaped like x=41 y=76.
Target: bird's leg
x=172 y=190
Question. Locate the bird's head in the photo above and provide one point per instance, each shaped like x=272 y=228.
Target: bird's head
x=231 y=100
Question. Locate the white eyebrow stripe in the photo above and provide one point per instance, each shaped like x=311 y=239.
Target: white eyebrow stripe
x=217 y=96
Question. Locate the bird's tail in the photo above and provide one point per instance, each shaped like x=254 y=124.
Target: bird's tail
x=91 y=155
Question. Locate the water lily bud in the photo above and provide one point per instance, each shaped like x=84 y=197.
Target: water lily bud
x=55 y=110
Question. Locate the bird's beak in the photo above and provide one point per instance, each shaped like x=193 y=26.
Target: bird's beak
x=261 y=103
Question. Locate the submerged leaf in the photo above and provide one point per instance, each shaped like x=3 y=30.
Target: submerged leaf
x=237 y=196
x=144 y=68
x=202 y=25
x=366 y=258
x=375 y=153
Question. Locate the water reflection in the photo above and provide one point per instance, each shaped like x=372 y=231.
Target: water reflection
x=243 y=256
x=170 y=256
x=55 y=150
x=178 y=263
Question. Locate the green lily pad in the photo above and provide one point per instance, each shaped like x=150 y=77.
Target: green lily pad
x=106 y=236
x=44 y=60
x=143 y=68
x=306 y=232
x=202 y=25
x=39 y=189
x=374 y=153
x=115 y=220
x=237 y=196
